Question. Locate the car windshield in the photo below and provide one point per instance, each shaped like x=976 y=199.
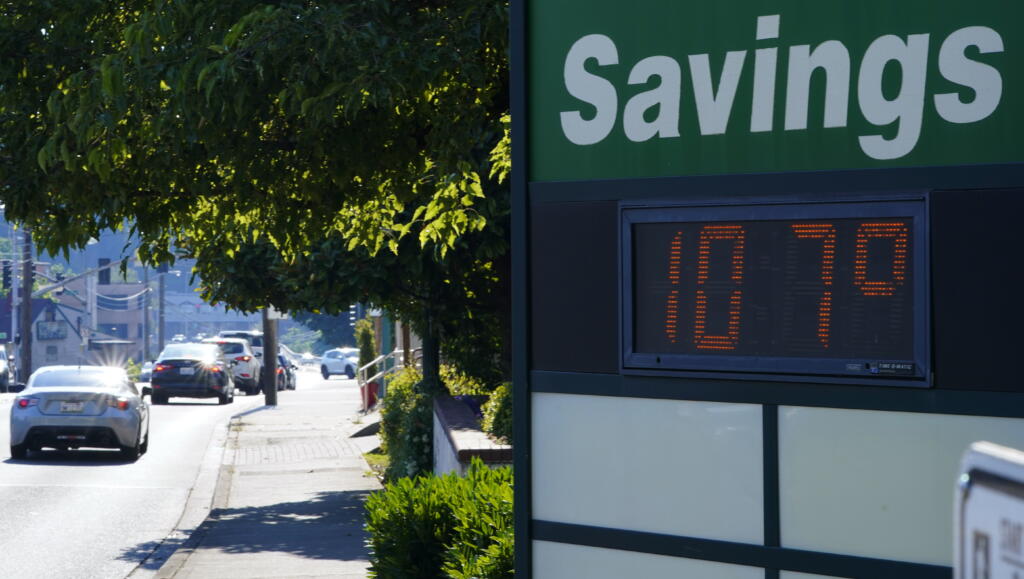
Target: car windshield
x=81 y=376
x=231 y=347
x=256 y=340
x=193 y=351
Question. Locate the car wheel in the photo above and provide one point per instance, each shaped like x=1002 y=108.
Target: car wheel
x=19 y=451
x=132 y=453
x=158 y=399
x=350 y=372
x=144 y=447
x=324 y=372
x=222 y=399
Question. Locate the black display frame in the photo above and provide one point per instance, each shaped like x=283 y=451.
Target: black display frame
x=791 y=368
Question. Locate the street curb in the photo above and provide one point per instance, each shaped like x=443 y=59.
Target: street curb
x=198 y=507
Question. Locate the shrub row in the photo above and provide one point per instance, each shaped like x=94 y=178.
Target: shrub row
x=447 y=526
x=498 y=413
x=407 y=424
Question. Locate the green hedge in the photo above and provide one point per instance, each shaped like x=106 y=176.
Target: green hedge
x=498 y=413
x=448 y=526
x=407 y=426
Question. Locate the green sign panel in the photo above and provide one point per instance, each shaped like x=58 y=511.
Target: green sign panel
x=663 y=88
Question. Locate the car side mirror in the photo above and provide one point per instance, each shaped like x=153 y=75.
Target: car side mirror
x=233 y=363
x=258 y=355
x=147 y=391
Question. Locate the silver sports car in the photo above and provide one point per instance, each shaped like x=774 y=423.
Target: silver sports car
x=66 y=407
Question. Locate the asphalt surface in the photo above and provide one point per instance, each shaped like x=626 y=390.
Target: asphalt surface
x=88 y=513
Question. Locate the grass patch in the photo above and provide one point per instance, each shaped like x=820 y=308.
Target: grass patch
x=378 y=461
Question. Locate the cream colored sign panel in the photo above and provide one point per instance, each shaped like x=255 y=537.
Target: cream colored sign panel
x=662 y=466
x=876 y=484
x=562 y=561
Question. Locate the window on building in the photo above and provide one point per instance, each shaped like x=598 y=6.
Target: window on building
x=104 y=275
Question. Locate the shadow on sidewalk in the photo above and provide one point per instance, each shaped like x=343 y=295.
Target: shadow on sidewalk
x=329 y=526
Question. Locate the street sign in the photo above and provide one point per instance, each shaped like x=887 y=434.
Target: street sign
x=989 y=514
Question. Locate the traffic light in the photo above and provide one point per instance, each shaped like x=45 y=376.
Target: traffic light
x=7 y=274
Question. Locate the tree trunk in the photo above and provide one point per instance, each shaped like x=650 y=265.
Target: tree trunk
x=269 y=359
x=431 y=357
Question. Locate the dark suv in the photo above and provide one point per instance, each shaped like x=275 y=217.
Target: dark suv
x=192 y=371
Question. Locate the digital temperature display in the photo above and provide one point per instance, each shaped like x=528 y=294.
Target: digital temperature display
x=827 y=289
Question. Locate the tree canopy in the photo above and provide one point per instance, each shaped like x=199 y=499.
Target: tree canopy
x=307 y=154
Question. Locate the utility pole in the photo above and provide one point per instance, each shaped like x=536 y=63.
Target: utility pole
x=160 y=319
x=145 y=314
x=27 y=273
x=269 y=358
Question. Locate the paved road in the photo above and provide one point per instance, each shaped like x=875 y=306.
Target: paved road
x=87 y=513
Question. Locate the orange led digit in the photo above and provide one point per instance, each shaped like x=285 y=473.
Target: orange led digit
x=675 y=256
x=826 y=232
x=701 y=338
x=899 y=234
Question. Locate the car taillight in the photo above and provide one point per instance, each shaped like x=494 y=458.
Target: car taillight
x=27 y=402
x=216 y=369
x=162 y=367
x=243 y=358
x=280 y=370
x=119 y=403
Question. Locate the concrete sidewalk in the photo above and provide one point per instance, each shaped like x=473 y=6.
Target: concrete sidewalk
x=290 y=493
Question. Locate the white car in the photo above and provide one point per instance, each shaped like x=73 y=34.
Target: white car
x=255 y=338
x=247 y=368
x=339 y=361
x=68 y=407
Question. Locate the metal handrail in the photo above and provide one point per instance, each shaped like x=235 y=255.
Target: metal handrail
x=397 y=358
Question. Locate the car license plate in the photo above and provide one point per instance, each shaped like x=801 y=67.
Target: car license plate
x=186 y=371
x=71 y=406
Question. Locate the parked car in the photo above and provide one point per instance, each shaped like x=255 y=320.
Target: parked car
x=339 y=361
x=286 y=378
x=247 y=370
x=192 y=371
x=255 y=338
x=146 y=371
x=6 y=373
x=66 y=407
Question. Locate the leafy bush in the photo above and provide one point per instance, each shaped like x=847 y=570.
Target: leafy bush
x=460 y=383
x=448 y=526
x=406 y=426
x=366 y=343
x=498 y=413
x=133 y=369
